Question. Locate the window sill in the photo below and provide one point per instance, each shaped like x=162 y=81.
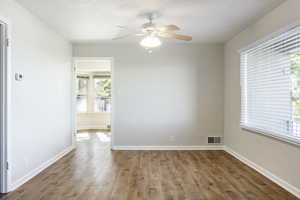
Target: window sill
x=283 y=138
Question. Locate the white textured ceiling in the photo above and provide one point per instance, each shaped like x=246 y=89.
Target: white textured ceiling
x=207 y=21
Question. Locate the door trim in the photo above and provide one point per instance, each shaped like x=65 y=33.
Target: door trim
x=4 y=107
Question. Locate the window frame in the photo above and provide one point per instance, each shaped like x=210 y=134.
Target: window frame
x=82 y=94
x=284 y=138
x=90 y=92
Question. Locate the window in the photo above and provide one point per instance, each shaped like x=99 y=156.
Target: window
x=270 y=86
x=82 y=93
x=93 y=93
x=102 y=87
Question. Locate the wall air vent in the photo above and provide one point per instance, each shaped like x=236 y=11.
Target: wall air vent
x=214 y=140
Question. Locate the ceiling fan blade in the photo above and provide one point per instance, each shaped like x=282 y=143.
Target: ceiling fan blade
x=170 y=28
x=130 y=32
x=139 y=34
x=121 y=37
x=175 y=36
x=122 y=27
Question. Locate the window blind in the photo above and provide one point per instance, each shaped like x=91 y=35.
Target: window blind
x=105 y=76
x=270 y=86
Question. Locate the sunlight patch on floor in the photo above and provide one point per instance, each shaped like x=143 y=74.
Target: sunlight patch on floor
x=82 y=136
x=103 y=137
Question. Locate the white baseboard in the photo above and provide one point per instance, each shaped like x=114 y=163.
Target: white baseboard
x=167 y=148
x=292 y=189
x=37 y=170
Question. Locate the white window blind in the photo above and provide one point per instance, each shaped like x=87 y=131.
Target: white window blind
x=270 y=86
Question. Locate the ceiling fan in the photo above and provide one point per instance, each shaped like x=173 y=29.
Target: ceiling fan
x=151 y=33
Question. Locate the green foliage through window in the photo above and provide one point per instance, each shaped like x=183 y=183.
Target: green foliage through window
x=103 y=88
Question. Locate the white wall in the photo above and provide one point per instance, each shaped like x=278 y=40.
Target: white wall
x=173 y=96
x=280 y=158
x=40 y=104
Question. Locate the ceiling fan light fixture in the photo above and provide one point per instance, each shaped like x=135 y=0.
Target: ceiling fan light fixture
x=150 y=42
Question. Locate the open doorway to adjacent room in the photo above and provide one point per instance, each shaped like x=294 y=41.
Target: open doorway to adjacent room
x=93 y=78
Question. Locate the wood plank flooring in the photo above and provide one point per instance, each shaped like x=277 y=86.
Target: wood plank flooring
x=93 y=172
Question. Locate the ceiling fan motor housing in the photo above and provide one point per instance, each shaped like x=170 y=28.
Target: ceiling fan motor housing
x=148 y=27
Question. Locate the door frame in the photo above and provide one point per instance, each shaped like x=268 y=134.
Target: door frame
x=73 y=100
x=4 y=107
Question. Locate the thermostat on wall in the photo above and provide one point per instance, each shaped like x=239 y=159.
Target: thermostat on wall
x=19 y=76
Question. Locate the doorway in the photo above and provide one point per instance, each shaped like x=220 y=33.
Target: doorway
x=93 y=100
x=3 y=108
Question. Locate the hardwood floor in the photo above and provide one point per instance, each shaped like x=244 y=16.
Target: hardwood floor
x=93 y=172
